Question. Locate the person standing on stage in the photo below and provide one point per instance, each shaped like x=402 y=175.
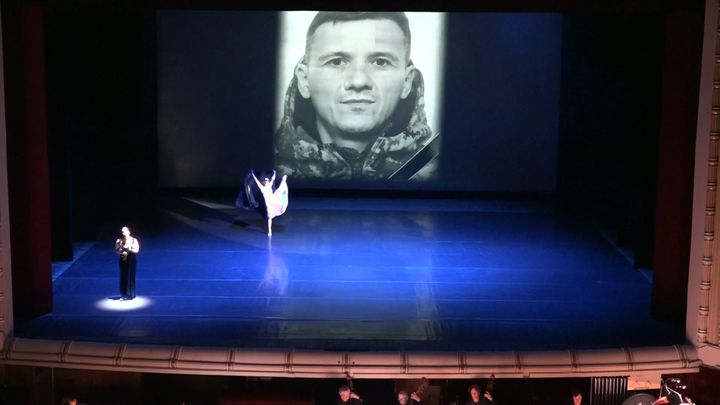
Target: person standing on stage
x=127 y=247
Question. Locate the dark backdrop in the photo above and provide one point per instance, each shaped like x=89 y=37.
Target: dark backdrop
x=500 y=100
x=600 y=159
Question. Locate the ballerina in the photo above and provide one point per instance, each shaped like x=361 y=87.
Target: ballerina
x=273 y=203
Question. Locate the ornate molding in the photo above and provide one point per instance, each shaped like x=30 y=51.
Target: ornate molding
x=649 y=362
x=708 y=316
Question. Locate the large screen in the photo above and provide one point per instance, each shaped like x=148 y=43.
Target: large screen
x=360 y=100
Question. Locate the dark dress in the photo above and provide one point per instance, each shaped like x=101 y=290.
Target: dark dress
x=127 y=275
x=127 y=264
x=250 y=197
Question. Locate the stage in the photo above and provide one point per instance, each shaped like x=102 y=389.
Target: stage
x=360 y=274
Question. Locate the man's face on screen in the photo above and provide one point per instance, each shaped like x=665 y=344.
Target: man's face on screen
x=355 y=73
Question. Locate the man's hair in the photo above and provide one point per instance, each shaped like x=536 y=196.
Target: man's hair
x=323 y=17
x=403 y=392
x=343 y=388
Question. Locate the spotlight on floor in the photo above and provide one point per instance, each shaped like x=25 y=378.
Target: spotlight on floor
x=116 y=304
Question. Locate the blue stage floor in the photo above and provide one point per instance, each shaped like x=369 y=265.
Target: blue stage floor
x=361 y=274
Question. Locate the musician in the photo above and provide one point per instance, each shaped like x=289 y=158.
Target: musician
x=477 y=399
x=347 y=397
x=68 y=400
x=669 y=396
x=577 y=398
x=673 y=400
x=127 y=247
x=405 y=399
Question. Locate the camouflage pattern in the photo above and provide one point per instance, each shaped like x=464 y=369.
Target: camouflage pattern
x=300 y=154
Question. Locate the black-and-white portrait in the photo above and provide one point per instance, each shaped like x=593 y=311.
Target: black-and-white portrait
x=355 y=101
